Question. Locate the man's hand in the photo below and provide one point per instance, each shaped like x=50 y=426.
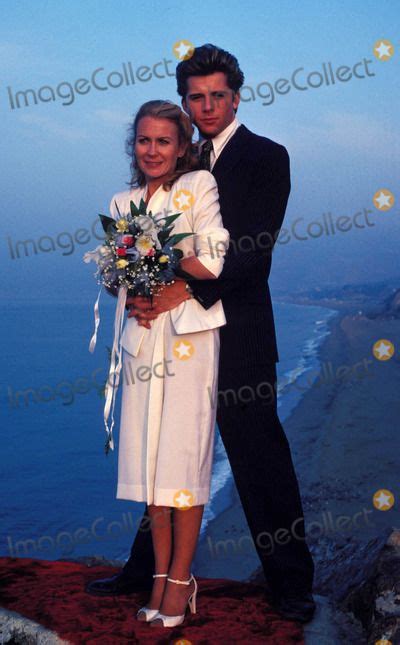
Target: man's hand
x=168 y=297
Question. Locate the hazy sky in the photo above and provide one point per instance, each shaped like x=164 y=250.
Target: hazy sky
x=64 y=159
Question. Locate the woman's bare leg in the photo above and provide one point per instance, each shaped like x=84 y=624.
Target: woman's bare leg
x=186 y=529
x=161 y=533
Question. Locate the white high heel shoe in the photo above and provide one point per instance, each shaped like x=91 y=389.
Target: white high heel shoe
x=150 y=613
x=173 y=621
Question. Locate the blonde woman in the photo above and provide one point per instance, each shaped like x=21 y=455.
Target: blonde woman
x=168 y=416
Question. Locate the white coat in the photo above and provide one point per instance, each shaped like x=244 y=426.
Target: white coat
x=170 y=372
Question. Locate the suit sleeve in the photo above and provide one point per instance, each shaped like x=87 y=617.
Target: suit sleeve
x=250 y=251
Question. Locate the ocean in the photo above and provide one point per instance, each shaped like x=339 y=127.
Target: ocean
x=58 y=486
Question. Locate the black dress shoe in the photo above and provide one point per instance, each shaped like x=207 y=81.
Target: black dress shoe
x=295 y=607
x=118 y=585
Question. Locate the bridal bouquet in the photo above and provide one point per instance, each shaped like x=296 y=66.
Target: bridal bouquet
x=136 y=258
x=138 y=252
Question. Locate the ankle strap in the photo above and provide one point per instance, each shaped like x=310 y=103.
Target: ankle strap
x=182 y=582
x=160 y=575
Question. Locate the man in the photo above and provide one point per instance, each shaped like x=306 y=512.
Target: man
x=252 y=173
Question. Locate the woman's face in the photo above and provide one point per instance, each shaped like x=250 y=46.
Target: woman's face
x=157 y=147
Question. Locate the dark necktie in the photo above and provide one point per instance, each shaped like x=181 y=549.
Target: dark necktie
x=205 y=155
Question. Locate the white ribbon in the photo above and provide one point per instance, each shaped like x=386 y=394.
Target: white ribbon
x=93 y=339
x=115 y=368
x=112 y=382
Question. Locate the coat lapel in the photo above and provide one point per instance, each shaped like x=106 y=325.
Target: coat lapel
x=231 y=153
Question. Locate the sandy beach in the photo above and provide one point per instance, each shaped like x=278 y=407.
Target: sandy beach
x=343 y=436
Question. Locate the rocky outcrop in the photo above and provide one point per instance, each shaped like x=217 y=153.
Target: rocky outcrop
x=343 y=563
x=376 y=600
x=15 y=628
x=361 y=582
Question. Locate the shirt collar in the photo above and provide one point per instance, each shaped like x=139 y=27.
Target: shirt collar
x=222 y=138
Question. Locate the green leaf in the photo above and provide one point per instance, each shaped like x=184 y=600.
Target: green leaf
x=168 y=230
x=116 y=206
x=170 y=218
x=163 y=237
x=134 y=210
x=142 y=207
x=178 y=237
x=107 y=223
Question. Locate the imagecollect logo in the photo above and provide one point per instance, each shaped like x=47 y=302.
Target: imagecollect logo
x=301 y=80
x=99 y=80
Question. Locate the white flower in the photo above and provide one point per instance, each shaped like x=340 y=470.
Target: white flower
x=149 y=228
x=143 y=244
x=145 y=223
x=101 y=252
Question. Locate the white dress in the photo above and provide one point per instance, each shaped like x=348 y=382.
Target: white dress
x=170 y=372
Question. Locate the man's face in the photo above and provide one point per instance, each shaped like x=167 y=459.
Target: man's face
x=210 y=103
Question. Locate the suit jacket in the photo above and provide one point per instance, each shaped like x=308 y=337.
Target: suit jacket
x=200 y=213
x=253 y=178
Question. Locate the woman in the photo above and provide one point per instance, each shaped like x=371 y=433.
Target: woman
x=170 y=367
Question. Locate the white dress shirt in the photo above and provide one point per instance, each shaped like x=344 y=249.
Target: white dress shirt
x=219 y=142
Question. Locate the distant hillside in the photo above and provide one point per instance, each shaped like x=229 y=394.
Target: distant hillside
x=377 y=300
x=390 y=309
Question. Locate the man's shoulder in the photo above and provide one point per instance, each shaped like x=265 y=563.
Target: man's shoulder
x=259 y=146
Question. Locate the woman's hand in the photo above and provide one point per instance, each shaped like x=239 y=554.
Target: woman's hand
x=168 y=298
x=139 y=308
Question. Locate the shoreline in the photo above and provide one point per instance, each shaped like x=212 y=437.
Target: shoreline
x=288 y=397
x=293 y=383
x=335 y=465
x=226 y=542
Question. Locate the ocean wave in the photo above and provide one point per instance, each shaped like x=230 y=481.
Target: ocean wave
x=308 y=357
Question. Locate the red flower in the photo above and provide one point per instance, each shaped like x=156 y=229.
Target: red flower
x=128 y=240
x=151 y=252
x=121 y=251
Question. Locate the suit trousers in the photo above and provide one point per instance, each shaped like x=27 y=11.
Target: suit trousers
x=265 y=478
